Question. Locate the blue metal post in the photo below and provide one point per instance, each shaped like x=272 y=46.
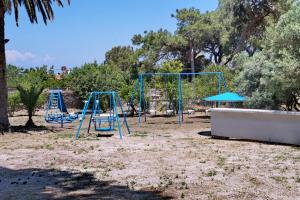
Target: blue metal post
x=93 y=114
x=124 y=115
x=117 y=115
x=219 y=87
x=131 y=101
x=179 y=99
x=140 y=102
x=49 y=105
x=224 y=83
x=59 y=96
x=83 y=116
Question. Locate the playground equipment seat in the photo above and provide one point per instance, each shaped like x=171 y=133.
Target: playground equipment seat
x=191 y=111
x=99 y=117
x=169 y=112
x=104 y=121
x=56 y=111
x=152 y=112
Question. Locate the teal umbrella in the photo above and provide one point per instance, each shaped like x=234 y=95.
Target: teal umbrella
x=226 y=97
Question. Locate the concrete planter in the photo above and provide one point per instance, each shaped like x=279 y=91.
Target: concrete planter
x=260 y=125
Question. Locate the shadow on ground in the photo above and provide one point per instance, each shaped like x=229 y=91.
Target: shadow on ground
x=24 y=129
x=199 y=117
x=204 y=133
x=54 y=184
x=213 y=137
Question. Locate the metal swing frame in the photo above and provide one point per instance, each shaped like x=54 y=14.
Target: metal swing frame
x=179 y=77
x=60 y=115
x=111 y=118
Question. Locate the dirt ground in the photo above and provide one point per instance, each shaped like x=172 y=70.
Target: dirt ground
x=159 y=160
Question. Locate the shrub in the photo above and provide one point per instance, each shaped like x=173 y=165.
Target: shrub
x=14 y=103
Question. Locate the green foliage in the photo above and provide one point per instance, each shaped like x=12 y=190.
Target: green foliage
x=13 y=75
x=271 y=78
x=14 y=103
x=246 y=21
x=122 y=56
x=228 y=76
x=258 y=39
x=42 y=100
x=154 y=47
x=30 y=86
x=173 y=66
x=38 y=75
x=93 y=77
x=29 y=94
x=202 y=32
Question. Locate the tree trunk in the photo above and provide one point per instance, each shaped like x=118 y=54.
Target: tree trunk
x=30 y=123
x=4 y=123
x=192 y=58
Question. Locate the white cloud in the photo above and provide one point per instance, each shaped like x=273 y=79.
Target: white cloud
x=47 y=58
x=27 y=59
x=14 y=56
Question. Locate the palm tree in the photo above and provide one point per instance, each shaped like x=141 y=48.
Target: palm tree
x=44 y=7
x=29 y=96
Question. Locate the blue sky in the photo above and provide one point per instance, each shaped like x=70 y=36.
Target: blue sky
x=85 y=30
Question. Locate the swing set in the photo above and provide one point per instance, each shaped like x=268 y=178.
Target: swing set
x=104 y=113
x=176 y=93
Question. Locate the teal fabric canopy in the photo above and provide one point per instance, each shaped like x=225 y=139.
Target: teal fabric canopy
x=226 y=97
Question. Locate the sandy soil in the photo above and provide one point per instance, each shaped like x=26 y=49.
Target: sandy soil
x=157 y=161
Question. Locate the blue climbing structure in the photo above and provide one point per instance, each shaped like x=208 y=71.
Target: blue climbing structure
x=56 y=111
x=104 y=114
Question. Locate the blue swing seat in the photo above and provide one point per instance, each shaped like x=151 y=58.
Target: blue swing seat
x=104 y=118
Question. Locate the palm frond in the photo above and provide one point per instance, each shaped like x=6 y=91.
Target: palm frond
x=32 y=7
x=29 y=96
x=16 y=9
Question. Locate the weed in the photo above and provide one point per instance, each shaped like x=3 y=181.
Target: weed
x=62 y=136
x=183 y=185
x=221 y=161
x=139 y=134
x=120 y=166
x=48 y=146
x=131 y=184
x=296 y=159
x=212 y=172
x=281 y=157
x=165 y=181
x=254 y=181
x=182 y=195
x=279 y=179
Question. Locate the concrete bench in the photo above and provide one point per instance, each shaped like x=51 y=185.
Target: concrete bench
x=260 y=125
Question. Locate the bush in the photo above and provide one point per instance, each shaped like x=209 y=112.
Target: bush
x=43 y=98
x=271 y=78
x=93 y=77
x=14 y=103
x=29 y=95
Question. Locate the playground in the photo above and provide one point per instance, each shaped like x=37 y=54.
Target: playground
x=159 y=160
x=150 y=100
